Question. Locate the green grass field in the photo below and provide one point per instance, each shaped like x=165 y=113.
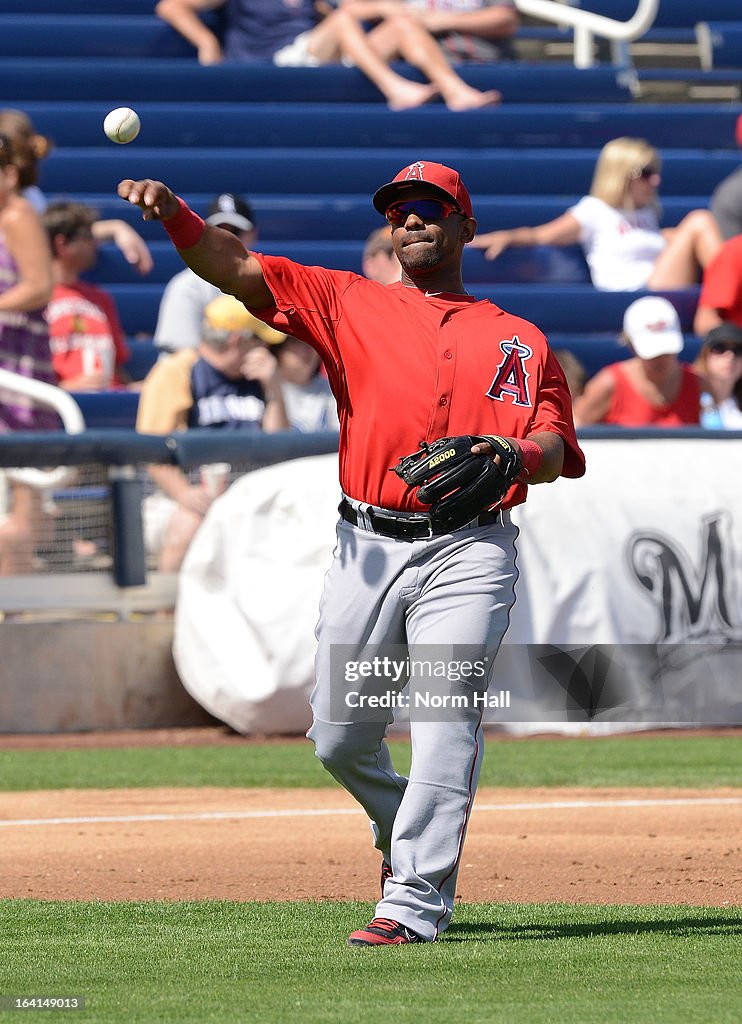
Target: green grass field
x=273 y=963
x=181 y=962
x=671 y=760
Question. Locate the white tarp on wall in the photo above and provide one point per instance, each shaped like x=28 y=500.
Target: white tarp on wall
x=636 y=554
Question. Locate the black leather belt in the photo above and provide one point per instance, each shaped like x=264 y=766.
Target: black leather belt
x=403 y=525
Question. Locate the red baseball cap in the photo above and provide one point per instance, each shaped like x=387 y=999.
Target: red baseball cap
x=440 y=178
x=739 y=130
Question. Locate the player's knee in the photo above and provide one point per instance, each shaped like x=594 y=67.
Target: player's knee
x=339 y=746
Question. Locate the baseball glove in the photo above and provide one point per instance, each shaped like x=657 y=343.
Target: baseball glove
x=457 y=484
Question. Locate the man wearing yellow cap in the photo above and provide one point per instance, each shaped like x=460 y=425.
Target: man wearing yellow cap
x=230 y=382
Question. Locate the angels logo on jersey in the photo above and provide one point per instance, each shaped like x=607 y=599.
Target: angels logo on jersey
x=512 y=376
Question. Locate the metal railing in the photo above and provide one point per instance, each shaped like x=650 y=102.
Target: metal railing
x=587 y=25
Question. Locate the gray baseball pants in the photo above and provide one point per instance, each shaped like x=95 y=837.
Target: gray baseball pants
x=453 y=591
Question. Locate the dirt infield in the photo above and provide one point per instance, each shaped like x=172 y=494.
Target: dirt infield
x=575 y=845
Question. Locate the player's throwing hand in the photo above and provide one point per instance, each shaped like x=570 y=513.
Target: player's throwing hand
x=156 y=200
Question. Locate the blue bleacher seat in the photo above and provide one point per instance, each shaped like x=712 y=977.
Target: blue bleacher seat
x=293 y=171
x=554 y=307
x=112 y=7
x=351 y=217
x=720 y=43
x=127 y=81
x=90 y=35
x=143 y=354
x=670 y=13
x=111 y=409
x=596 y=350
x=369 y=126
x=515 y=265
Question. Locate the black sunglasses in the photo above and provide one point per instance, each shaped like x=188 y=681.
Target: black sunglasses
x=719 y=348
x=645 y=172
x=425 y=209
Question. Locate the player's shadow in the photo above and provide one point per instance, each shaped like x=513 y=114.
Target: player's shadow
x=709 y=924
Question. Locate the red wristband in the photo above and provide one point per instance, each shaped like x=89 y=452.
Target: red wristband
x=185 y=228
x=532 y=456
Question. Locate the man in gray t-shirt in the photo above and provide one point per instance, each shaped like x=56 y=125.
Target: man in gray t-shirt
x=186 y=296
x=726 y=199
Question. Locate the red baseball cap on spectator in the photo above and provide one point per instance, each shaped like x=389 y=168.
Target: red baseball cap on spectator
x=441 y=179
x=739 y=130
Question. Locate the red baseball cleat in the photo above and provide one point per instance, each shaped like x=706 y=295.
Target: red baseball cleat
x=383 y=932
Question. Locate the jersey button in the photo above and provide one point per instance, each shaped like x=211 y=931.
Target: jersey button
x=448 y=354
x=444 y=400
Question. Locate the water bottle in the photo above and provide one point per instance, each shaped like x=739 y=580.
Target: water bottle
x=710 y=415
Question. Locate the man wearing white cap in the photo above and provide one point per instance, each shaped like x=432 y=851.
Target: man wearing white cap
x=187 y=295
x=651 y=389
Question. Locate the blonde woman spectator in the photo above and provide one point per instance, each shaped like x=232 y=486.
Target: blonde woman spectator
x=617 y=225
x=719 y=367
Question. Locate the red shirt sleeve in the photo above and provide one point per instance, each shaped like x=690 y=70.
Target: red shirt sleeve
x=553 y=413
x=722 y=280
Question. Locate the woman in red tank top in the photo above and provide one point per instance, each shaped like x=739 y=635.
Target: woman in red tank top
x=651 y=389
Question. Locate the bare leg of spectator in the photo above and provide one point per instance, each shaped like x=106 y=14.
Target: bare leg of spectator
x=180 y=532
x=340 y=35
x=19 y=531
x=694 y=242
x=403 y=36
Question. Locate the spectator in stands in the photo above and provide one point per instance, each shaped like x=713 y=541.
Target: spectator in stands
x=291 y=35
x=726 y=199
x=25 y=289
x=574 y=371
x=18 y=127
x=721 y=293
x=719 y=366
x=380 y=262
x=466 y=30
x=651 y=389
x=87 y=340
x=230 y=382
x=618 y=227
x=186 y=295
x=310 y=404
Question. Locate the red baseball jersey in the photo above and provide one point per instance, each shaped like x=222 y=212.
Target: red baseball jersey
x=407 y=367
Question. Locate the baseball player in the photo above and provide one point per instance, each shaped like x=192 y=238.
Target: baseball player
x=468 y=406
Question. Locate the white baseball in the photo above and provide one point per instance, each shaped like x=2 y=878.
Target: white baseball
x=122 y=125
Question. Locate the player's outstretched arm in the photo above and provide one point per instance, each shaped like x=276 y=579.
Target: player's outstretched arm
x=214 y=254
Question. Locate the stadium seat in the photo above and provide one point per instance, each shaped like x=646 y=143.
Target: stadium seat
x=109 y=409
x=554 y=307
x=524 y=265
x=89 y=35
x=596 y=350
x=720 y=44
x=351 y=216
x=117 y=81
x=143 y=355
x=670 y=13
x=370 y=126
x=293 y=170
